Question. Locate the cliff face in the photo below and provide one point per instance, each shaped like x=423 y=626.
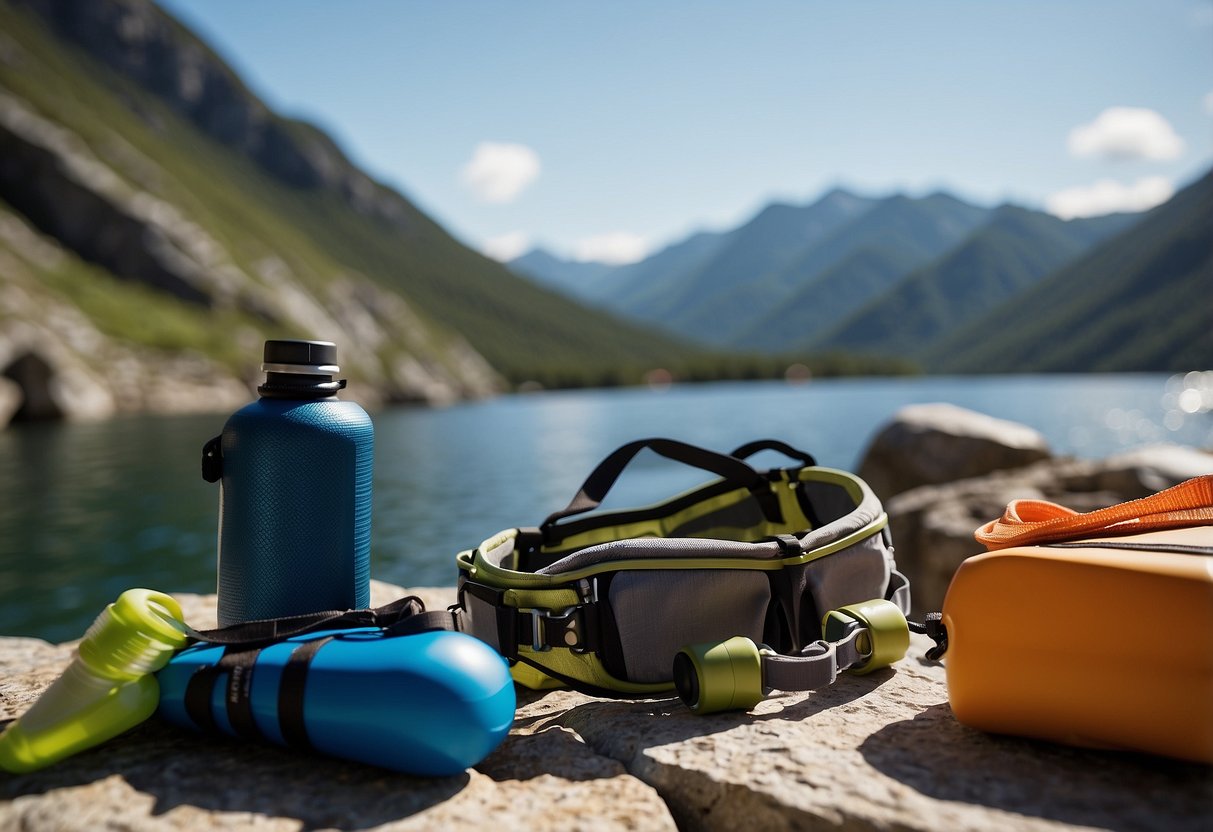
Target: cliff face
x=154 y=211
x=137 y=274
x=139 y=42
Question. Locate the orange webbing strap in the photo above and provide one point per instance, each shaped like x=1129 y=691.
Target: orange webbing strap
x=1032 y=522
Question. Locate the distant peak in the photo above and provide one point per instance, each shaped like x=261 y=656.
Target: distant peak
x=840 y=197
x=535 y=255
x=943 y=196
x=1011 y=209
x=839 y=192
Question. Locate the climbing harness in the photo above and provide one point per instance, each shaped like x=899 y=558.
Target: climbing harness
x=759 y=580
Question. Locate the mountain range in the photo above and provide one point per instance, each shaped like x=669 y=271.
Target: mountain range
x=930 y=279
x=1140 y=301
x=158 y=221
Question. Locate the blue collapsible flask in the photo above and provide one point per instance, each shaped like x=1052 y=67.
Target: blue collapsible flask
x=404 y=697
x=295 y=494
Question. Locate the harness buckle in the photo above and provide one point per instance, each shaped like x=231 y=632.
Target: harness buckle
x=542 y=620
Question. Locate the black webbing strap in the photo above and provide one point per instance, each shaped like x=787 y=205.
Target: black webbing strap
x=424 y=622
x=242 y=645
x=789 y=544
x=600 y=480
x=272 y=630
x=486 y=617
x=290 y=693
x=238 y=665
x=751 y=448
x=198 y=697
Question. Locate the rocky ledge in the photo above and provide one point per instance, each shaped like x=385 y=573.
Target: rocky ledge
x=874 y=752
x=942 y=471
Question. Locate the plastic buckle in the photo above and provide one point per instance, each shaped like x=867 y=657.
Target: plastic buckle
x=885 y=636
x=540 y=620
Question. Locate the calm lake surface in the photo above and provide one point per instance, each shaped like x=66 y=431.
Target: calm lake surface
x=89 y=510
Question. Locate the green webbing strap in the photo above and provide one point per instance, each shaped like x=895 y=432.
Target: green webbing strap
x=816 y=666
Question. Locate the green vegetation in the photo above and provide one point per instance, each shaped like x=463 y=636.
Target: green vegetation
x=1139 y=302
x=128 y=311
x=525 y=332
x=729 y=367
x=831 y=297
x=945 y=285
x=1016 y=248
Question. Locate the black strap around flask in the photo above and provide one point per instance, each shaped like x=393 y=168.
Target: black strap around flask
x=243 y=643
x=240 y=667
x=199 y=692
x=291 y=690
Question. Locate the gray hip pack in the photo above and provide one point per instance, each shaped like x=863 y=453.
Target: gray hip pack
x=759 y=580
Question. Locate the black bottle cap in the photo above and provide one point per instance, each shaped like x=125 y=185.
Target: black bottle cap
x=310 y=353
x=297 y=369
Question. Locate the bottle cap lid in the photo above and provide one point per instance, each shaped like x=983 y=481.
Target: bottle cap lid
x=303 y=357
x=135 y=635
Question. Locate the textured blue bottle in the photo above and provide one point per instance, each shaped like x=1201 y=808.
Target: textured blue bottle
x=295 y=500
x=432 y=703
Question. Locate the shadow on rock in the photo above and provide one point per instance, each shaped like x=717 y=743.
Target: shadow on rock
x=585 y=738
x=939 y=757
x=177 y=768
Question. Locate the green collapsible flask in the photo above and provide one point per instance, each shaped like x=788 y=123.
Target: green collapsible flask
x=106 y=690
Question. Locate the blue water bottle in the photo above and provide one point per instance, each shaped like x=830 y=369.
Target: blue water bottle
x=295 y=493
x=431 y=703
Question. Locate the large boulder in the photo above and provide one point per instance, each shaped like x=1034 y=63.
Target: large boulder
x=45 y=379
x=874 y=752
x=933 y=525
x=11 y=399
x=925 y=444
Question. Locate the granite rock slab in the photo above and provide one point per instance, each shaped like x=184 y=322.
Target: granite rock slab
x=875 y=752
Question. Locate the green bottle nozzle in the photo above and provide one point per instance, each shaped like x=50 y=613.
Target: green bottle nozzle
x=106 y=690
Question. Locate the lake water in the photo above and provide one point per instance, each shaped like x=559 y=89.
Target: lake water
x=89 y=510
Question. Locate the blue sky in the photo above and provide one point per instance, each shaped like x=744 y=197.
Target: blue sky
x=607 y=130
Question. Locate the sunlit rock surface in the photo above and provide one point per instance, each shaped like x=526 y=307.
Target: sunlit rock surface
x=876 y=752
x=926 y=444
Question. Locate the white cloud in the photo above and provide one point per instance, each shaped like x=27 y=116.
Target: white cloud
x=1126 y=133
x=499 y=172
x=616 y=248
x=506 y=247
x=1108 y=196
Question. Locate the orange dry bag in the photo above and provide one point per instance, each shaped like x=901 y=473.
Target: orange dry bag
x=1090 y=629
